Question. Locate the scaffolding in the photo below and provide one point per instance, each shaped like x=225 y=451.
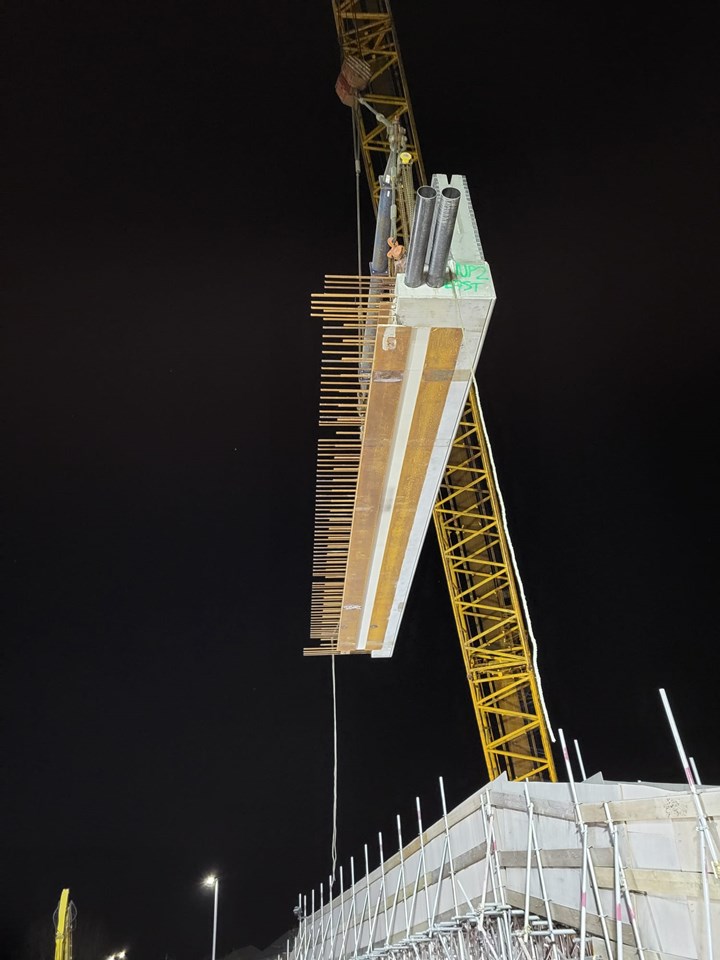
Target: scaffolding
x=532 y=870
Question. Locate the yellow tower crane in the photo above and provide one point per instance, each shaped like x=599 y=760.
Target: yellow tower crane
x=489 y=608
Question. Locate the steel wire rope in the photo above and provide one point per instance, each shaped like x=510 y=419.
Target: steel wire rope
x=521 y=589
x=356 y=161
x=356 y=158
x=333 y=847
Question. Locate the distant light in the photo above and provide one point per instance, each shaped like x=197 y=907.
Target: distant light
x=121 y=955
x=210 y=881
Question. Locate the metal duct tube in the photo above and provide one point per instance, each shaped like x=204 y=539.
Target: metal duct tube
x=420 y=236
x=444 y=227
x=379 y=262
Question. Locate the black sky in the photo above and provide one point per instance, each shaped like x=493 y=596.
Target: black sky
x=179 y=179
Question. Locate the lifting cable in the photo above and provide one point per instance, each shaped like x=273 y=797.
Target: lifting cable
x=356 y=159
x=333 y=848
x=356 y=156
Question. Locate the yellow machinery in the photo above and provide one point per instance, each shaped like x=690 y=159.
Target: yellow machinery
x=64 y=918
x=484 y=589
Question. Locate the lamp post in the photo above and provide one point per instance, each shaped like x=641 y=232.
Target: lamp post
x=213 y=881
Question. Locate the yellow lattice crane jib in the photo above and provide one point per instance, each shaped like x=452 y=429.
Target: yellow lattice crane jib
x=64 y=922
x=486 y=596
x=372 y=81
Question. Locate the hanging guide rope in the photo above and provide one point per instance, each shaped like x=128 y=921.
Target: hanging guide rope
x=333 y=849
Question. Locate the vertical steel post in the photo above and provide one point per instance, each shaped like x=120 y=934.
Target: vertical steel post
x=591 y=866
x=691 y=783
x=624 y=889
x=312 y=924
x=617 y=897
x=583 y=894
x=449 y=847
x=431 y=919
x=694 y=769
x=528 y=867
x=322 y=922
x=381 y=895
x=580 y=760
x=420 y=236
x=402 y=868
x=215 y=918
x=422 y=859
x=447 y=211
x=379 y=263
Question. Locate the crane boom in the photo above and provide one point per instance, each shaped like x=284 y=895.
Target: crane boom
x=366 y=31
x=483 y=584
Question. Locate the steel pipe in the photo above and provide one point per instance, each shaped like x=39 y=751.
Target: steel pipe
x=379 y=264
x=425 y=199
x=442 y=238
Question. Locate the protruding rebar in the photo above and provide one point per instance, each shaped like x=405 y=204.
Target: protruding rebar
x=425 y=200
x=442 y=238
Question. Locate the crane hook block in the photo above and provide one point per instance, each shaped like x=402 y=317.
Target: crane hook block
x=354 y=76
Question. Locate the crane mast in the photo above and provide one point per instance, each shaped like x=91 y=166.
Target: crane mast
x=484 y=589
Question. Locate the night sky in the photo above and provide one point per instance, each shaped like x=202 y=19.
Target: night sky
x=179 y=180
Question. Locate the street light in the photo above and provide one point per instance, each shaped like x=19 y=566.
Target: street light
x=120 y=955
x=213 y=881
